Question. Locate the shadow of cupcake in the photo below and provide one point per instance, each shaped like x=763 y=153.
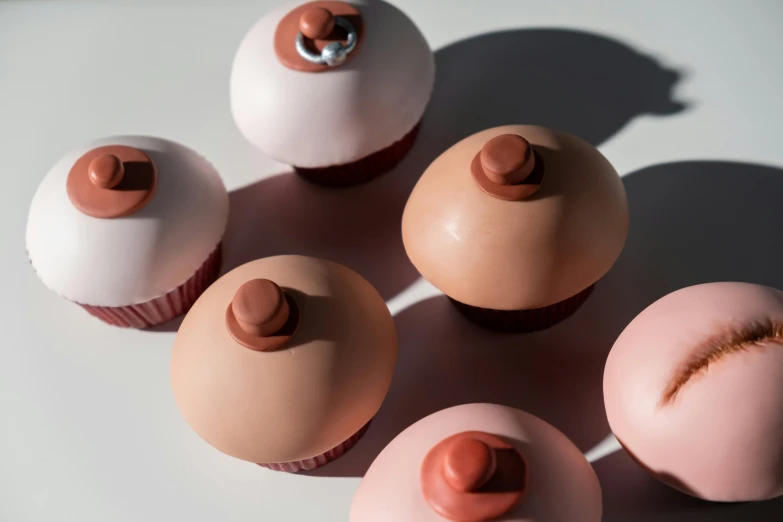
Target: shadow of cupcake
x=445 y=360
x=575 y=81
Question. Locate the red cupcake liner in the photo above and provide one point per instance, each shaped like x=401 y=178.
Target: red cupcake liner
x=166 y=307
x=321 y=460
x=523 y=321
x=363 y=170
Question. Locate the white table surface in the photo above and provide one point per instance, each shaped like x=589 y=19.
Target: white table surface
x=685 y=98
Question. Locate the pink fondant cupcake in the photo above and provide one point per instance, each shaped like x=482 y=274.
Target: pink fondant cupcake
x=516 y=224
x=130 y=228
x=694 y=391
x=336 y=89
x=284 y=361
x=476 y=463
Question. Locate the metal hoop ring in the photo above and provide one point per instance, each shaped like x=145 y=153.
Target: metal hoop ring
x=334 y=53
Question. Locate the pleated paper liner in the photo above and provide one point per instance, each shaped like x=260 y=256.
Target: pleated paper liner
x=320 y=460
x=166 y=307
x=363 y=170
x=523 y=321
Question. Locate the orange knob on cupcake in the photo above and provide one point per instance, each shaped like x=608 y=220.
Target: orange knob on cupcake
x=507 y=159
x=112 y=181
x=468 y=464
x=260 y=307
x=506 y=168
x=473 y=477
x=316 y=23
x=106 y=171
x=261 y=315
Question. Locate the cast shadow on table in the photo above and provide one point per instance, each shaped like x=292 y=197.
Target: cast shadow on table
x=572 y=80
x=632 y=495
x=691 y=222
x=575 y=81
x=444 y=361
x=701 y=221
x=358 y=227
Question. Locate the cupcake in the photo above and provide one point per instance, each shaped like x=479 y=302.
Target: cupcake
x=335 y=89
x=516 y=224
x=694 y=391
x=476 y=463
x=130 y=228
x=284 y=361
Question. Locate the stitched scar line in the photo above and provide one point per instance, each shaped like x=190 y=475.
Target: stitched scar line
x=730 y=340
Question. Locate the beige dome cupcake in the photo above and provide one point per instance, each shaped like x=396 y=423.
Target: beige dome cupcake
x=516 y=224
x=284 y=361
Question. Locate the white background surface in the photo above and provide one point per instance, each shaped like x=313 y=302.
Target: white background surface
x=683 y=97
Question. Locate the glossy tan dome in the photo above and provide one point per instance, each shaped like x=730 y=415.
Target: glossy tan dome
x=295 y=400
x=512 y=255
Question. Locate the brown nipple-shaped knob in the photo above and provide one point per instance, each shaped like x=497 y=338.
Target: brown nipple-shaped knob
x=106 y=171
x=468 y=464
x=507 y=159
x=316 y=23
x=473 y=476
x=260 y=307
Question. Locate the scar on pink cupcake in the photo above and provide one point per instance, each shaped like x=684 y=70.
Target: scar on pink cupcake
x=729 y=340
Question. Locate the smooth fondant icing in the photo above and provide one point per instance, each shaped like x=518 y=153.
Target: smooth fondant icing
x=304 y=398
x=338 y=116
x=694 y=390
x=517 y=255
x=132 y=259
x=561 y=485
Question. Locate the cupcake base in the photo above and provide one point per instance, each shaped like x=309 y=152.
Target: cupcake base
x=363 y=170
x=166 y=307
x=523 y=321
x=321 y=460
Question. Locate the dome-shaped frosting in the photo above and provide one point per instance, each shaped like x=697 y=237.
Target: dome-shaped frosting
x=155 y=244
x=694 y=390
x=295 y=399
x=519 y=248
x=531 y=457
x=318 y=119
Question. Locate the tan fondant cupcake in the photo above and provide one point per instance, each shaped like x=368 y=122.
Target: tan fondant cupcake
x=284 y=361
x=516 y=224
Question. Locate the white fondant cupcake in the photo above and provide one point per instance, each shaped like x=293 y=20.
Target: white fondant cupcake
x=130 y=228
x=336 y=89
